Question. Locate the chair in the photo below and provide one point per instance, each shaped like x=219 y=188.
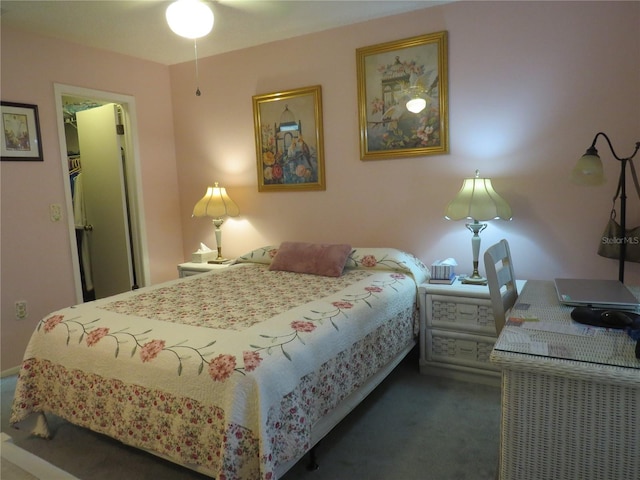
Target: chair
x=503 y=290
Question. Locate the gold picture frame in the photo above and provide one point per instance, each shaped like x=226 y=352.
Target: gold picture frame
x=389 y=74
x=287 y=160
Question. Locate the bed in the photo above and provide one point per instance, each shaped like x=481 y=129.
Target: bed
x=235 y=373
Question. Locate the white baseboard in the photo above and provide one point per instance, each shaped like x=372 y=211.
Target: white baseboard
x=31 y=464
x=10 y=372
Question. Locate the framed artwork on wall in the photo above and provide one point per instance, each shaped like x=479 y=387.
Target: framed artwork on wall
x=389 y=75
x=289 y=140
x=20 y=132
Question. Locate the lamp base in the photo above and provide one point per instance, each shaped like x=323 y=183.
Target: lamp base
x=219 y=260
x=474 y=280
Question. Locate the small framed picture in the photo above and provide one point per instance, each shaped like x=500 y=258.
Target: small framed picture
x=289 y=140
x=20 y=133
x=403 y=97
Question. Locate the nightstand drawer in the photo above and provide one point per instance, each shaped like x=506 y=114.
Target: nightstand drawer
x=460 y=348
x=457 y=331
x=469 y=314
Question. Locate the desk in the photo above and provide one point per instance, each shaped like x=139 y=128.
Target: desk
x=570 y=399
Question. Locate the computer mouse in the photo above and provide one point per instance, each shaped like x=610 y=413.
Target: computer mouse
x=616 y=319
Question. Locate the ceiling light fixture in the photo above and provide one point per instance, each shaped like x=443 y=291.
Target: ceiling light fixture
x=416 y=105
x=417 y=98
x=190 y=19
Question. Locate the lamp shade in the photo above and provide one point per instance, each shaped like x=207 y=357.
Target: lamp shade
x=479 y=201
x=189 y=18
x=588 y=171
x=216 y=203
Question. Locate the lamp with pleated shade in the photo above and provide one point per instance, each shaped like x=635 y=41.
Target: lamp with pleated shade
x=477 y=201
x=217 y=205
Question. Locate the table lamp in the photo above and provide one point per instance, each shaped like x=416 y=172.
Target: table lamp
x=216 y=204
x=477 y=201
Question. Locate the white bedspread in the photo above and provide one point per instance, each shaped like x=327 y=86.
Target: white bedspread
x=228 y=370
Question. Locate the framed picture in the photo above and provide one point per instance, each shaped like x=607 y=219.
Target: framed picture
x=389 y=76
x=289 y=140
x=20 y=132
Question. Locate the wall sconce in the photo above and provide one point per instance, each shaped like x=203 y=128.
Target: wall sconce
x=190 y=19
x=588 y=171
x=477 y=200
x=216 y=204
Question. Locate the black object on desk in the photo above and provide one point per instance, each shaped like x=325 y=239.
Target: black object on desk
x=610 y=319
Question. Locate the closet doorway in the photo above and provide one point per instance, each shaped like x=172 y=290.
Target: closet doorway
x=102 y=186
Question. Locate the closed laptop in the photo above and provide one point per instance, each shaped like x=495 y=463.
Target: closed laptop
x=595 y=293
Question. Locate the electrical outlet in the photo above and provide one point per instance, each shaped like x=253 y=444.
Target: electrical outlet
x=55 y=212
x=21 y=309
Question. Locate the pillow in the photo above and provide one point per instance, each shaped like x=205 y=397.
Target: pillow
x=315 y=258
x=388 y=259
x=259 y=255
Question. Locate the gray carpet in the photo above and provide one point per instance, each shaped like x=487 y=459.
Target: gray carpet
x=412 y=427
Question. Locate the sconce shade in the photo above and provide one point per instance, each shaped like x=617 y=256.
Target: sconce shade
x=416 y=105
x=478 y=200
x=216 y=203
x=588 y=171
x=189 y=18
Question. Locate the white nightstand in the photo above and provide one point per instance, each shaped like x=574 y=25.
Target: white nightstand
x=191 y=268
x=458 y=332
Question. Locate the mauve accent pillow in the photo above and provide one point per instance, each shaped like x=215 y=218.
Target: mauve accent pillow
x=315 y=258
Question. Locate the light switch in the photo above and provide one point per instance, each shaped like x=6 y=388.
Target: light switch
x=55 y=212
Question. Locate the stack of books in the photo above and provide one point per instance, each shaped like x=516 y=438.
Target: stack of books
x=443 y=272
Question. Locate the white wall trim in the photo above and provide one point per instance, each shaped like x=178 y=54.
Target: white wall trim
x=133 y=173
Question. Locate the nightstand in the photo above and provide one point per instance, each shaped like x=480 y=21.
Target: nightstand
x=191 y=268
x=458 y=332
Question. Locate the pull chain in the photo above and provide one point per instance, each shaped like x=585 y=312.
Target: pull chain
x=195 y=48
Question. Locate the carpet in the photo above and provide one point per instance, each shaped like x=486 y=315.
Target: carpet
x=412 y=427
x=18 y=464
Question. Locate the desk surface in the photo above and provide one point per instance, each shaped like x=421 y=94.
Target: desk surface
x=541 y=328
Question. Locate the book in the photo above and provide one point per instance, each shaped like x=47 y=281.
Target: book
x=444 y=281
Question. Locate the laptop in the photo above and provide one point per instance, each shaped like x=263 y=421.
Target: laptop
x=611 y=294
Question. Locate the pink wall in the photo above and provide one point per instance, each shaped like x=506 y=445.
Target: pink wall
x=36 y=257
x=530 y=85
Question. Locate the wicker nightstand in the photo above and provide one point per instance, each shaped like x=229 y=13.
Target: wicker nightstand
x=191 y=268
x=458 y=332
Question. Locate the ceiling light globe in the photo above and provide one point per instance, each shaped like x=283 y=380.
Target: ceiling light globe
x=416 y=105
x=189 y=18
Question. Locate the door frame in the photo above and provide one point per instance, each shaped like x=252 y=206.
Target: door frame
x=132 y=171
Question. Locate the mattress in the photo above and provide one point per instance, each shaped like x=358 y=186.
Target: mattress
x=225 y=372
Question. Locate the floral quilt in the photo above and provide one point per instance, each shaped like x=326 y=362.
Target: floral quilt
x=224 y=372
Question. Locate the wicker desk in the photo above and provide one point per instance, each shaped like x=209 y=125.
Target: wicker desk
x=570 y=402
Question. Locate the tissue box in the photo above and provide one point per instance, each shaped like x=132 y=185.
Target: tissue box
x=203 y=257
x=442 y=272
